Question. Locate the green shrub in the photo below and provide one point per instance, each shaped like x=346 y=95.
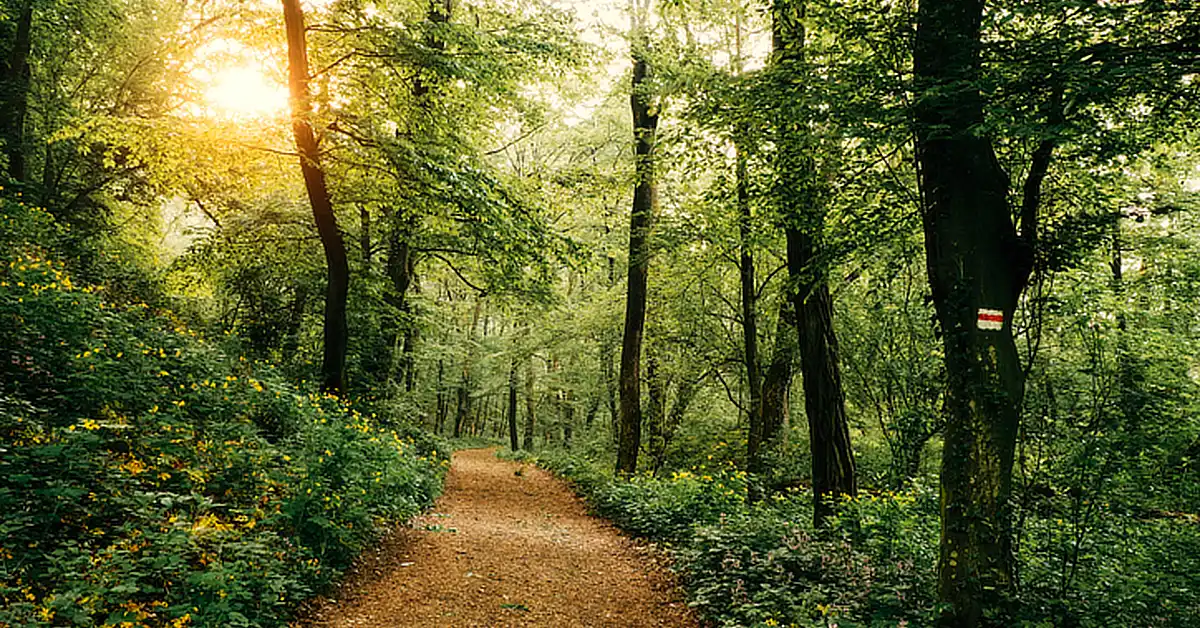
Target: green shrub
x=765 y=566
x=148 y=478
x=663 y=509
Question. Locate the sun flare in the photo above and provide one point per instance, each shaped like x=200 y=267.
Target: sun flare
x=244 y=91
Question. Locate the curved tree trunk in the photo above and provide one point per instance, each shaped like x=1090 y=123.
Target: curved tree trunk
x=333 y=362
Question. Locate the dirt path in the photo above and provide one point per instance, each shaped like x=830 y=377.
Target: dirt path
x=507 y=545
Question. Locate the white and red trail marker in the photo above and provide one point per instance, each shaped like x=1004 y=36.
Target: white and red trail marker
x=990 y=320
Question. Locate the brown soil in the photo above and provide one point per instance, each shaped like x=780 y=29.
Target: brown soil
x=507 y=545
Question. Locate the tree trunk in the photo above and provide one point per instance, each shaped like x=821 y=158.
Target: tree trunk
x=364 y=234
x=464 y=415
x=401 y=263
x=590 y=416
x=977 y=269
x=801 y=207
x=333 y=363
x=442 y=406
x=399 y=269
x=15 y=96
x=512 y=405
x=412 y=333
x=824 y=404
x=656 y=415
x=568 y=417
x=645 y=125
x=530 y=405
x=295 y=322
x=777 y=384
x=684 y=393
x=757 y=431
x=463 y=408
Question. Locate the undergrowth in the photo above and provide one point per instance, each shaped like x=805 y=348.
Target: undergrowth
x=762 y=564
x=150 y=478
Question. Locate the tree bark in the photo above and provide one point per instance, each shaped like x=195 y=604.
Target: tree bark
x=513 y=442
x=333 y=363
x=975 y=261
x=645 y=125
x=530 y=405
x=777 y=383
x=802 y=209
x=15 y=96
x=833 y=469
x=757 y=431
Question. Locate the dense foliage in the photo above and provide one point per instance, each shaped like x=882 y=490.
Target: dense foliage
x=759 y=564
x=916 y=340
x=149 y=477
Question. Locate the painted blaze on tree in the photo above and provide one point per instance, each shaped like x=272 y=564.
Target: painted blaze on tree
x=978 y=265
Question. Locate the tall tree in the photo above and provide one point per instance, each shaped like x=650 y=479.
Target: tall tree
x=749 y=289
x=333 y=363
x=801 y=207
x=14 y=97
x=645 y=126
x=530 y=406
x=402 y=258
x=777 y=381
x=513 y=439
x=977 y=269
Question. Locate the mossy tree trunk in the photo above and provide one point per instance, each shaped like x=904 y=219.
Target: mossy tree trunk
x=977 y=268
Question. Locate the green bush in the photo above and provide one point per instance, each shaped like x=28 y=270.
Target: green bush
x=766 y=567
x=663 y=509
x=762 y=564
x=148 y=478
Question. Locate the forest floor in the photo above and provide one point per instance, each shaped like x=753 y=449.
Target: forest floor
x=507 y=544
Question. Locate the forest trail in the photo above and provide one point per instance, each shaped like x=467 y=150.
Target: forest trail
x=507 y=544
